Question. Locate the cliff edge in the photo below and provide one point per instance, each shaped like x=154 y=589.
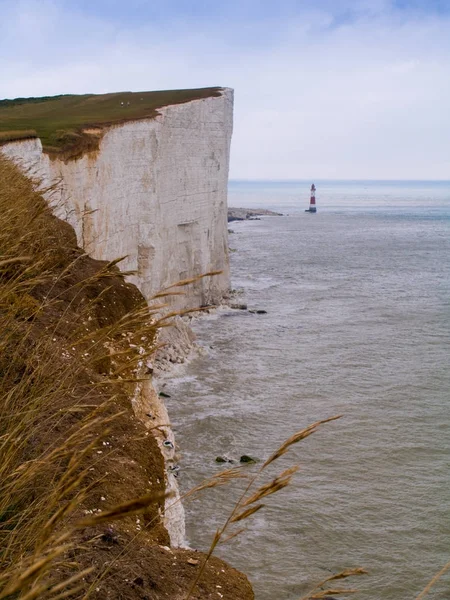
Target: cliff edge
x=153 y=190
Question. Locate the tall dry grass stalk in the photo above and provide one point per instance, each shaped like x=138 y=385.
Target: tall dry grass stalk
x=433 y=581
x=323 y=590
x=250 y=503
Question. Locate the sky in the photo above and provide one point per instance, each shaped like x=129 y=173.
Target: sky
x=340 y=89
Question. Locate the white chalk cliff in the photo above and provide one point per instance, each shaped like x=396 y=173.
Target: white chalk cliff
x=155 y=191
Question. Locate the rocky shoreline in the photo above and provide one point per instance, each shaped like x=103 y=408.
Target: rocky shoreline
x=249 y=214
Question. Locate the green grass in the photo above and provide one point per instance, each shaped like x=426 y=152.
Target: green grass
x=59 y=121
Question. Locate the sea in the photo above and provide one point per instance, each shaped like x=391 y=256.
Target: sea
x=357 y=324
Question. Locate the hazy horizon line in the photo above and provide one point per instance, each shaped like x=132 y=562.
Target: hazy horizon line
x=344 y=180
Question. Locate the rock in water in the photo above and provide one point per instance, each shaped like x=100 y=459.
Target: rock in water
x=247 y=459
x=224 y=459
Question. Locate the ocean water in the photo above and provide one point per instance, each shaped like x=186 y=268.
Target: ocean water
x=358 y=324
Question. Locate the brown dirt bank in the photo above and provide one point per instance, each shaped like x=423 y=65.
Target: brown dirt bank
x=71 y=446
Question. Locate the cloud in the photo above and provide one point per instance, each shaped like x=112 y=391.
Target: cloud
x=361 y=91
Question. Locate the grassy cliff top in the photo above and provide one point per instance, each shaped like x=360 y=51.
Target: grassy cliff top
x=60 y=121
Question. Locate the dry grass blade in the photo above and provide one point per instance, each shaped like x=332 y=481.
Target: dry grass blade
x=272 y=487
x=37 y=567
x=228 y=538
x=246 y=513
x=184 y=282
x=233 y=473
x=65 y=510
x=297 y=437
x=164 y=294
x=205 y=485
x=16 y=259
x=38 y=591
x=334 y=591
x=438 y=575
x=115 y=262
x=43 y=590
x=61 y=586
x=60 y=589
x=347 y=573
x=318 y=591
x=222 y=478
x=69 y=593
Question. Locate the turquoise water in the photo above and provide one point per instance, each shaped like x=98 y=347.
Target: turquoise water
x=358 y=323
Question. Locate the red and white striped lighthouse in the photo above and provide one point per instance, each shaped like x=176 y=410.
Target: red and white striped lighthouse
x=312 y=201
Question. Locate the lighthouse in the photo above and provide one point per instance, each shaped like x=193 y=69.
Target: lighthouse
x=312 y=202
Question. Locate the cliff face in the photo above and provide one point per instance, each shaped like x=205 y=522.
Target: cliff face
x=155 y=191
